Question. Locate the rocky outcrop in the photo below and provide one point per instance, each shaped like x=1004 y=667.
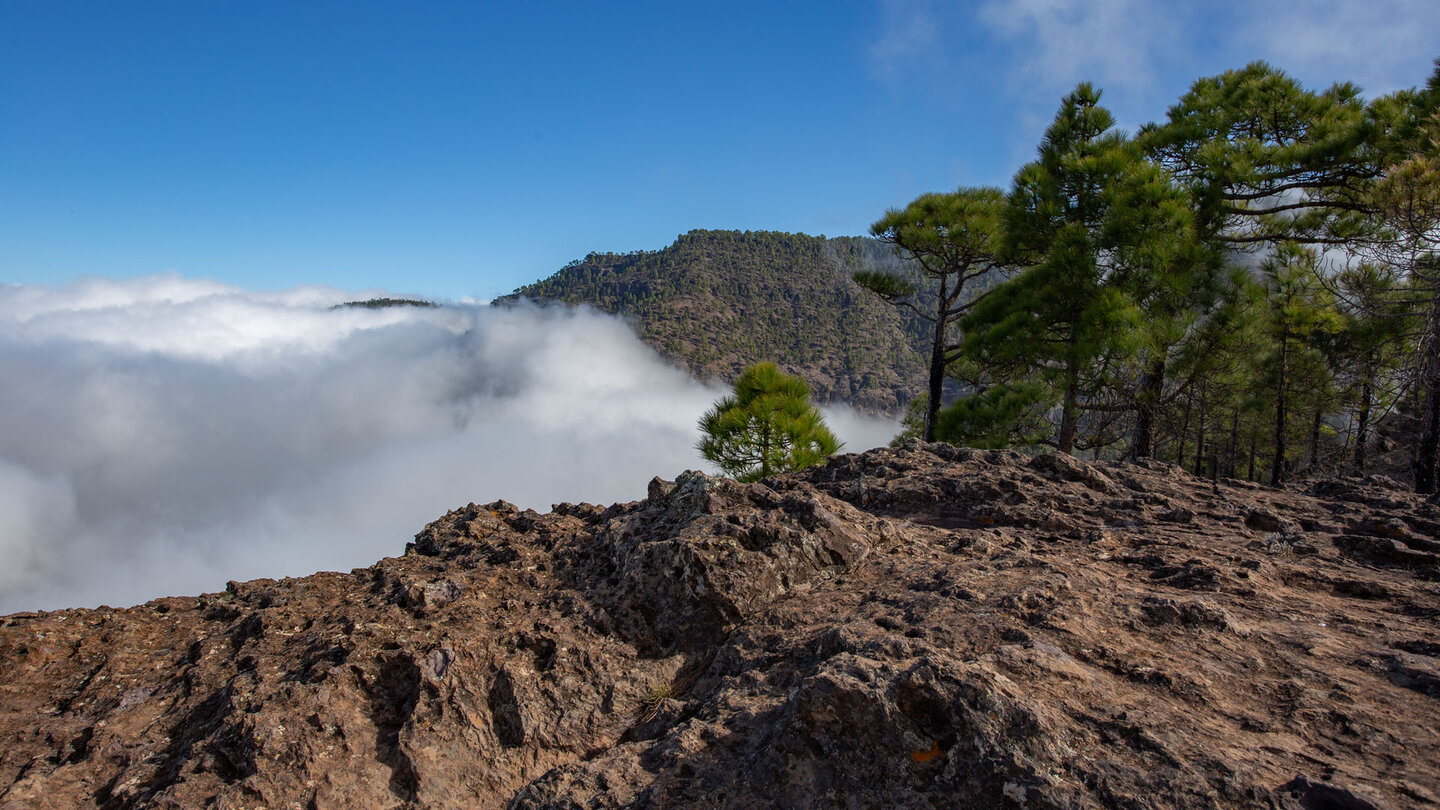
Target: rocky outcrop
x=924 y=626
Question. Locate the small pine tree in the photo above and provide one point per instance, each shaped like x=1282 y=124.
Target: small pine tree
x=767 y=426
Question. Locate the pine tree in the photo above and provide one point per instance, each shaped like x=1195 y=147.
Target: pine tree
x=1209 y=369
x=767 y=426
x=1267 y=161
x=955 y=239
x=1070 y=315
x=1300 y=308
x=1372 y=345
x=1175 y=278
x=1408 y=201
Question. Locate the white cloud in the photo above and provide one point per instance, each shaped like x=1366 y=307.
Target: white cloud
x=909 y=36
x=163 y=435
x=35 y=510
x=1381 y=45
x=1136 y=47
x=859 y=431
x=1143 y=54
x=1058 y=43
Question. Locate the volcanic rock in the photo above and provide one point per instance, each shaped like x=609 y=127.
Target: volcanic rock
x=926 y=626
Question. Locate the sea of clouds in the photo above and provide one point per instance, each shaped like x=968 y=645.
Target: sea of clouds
x=160 y=436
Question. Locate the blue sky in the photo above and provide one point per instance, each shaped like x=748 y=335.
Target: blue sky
x=460 y=149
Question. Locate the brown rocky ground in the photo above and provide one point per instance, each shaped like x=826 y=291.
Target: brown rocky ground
x=919 y=627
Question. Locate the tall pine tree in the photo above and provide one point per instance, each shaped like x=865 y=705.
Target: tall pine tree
x=1408 y=201
x=1093 y=223
x=954 y=238
x=1266 y=160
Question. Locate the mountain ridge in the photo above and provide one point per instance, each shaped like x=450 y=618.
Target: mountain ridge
x=716 y=302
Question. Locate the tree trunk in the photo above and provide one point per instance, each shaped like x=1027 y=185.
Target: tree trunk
x=765 y=470
x=1234 y=442
x=1425 y=452
x=1277 y=474
x=1200 y=440
x=1067 y=418
x=1363 y=428
x=1315 y=438
x=937 y=366
x=1250 y=474
x=1426 y=449
x=937 y=386
x=1151 y=385
x=1071 y=402
x=1184 y=428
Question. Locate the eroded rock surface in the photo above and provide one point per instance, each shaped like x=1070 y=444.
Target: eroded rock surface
x=918 y=627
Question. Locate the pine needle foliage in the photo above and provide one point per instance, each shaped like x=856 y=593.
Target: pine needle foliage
x=766 y=427
x=954 y=239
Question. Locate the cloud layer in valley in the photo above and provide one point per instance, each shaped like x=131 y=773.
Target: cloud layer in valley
x=163 y=435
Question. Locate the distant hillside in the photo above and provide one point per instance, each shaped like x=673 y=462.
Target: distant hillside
x=385 y=303
x=718 y=301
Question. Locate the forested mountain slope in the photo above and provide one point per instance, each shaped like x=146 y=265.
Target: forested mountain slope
x=718 y=301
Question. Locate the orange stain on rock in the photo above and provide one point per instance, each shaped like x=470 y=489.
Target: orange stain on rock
x=928 y=754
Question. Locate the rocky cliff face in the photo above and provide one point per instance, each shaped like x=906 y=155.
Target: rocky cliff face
x=917 y=627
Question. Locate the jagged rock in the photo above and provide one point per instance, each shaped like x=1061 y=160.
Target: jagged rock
x=1177 y=515
x=1385 y=551
x=1413 y=671
x=918 y=627
x=1191 y=613
x=1265 y=520
x=1304 y=793
x=1068 y=468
